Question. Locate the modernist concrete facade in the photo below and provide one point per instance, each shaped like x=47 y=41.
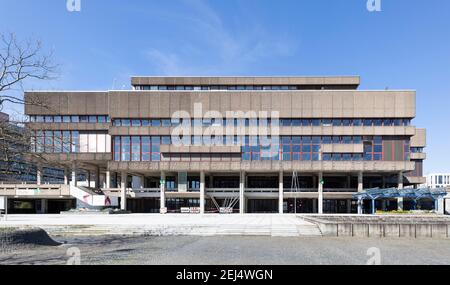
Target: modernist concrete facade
x=325 y=140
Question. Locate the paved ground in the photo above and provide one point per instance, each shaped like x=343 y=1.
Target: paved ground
x=186 y=250
x=170 y=224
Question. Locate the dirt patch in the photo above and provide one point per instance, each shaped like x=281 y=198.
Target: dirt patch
x=25 y=236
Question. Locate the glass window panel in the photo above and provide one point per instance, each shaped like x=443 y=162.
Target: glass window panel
x=326 y=140
x=306 y=148
x=357 y=122
x=156 y=123
x=347 y=139
x=337 y=123
x=306 y=157
x=357 y=140
x=136 y=123
x=378 y=148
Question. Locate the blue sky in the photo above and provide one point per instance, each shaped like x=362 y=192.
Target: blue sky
x=405 y=46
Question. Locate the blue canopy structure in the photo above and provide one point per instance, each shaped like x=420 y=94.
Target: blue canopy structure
x=389 y=193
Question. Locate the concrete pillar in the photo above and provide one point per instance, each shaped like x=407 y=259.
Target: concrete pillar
x=314 y=206
x=74 y=174
x=123 y=190
x=202 y=192
x=162 y=190
x=400 y=186
x=88 y=178
x=211 y=181
x=383 y=178
x=43 y=206
x=360 y=206
x=439 y=206
x=360 y=182
x=39 y=175
x=360 y=189
x=108 y=179
x=97 y=178
x=320 y=189
x=241 y=192
x=280 y=193
x=349 y=206
x=66 y=176
x=349 y=181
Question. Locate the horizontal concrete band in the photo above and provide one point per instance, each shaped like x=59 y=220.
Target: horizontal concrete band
x=290 y=104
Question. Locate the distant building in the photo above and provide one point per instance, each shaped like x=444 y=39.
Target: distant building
x=438 y=180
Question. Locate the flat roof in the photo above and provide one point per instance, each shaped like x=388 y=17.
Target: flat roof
x=245 y=80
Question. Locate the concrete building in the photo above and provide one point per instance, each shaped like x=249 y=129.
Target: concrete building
x=438 y=180
x=241 y=144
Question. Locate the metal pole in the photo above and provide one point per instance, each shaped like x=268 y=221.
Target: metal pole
x=373 y=207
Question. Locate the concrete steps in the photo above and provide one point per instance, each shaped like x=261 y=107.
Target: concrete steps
x=288 y=230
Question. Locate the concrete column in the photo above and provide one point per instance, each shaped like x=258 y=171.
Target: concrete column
x=211 y=181
x=66 y=176
x=88 y=178
x=348 y=181
x=360 y=189
x=39 y=175
x=314 y=208
x=383 y=178
x=162 y=190
x=74 y=174
x=439 y=206
x=320 y=189
x=360 y=206
x=43 y=206
x=349 y=206
x=123 y=190
x=97 y=178
x=202 y=192
x=241 y=192
x=400 y=186
x=360 y=182
x=280 y=193
x=108 y=179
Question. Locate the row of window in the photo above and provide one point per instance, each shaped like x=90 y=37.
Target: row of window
x=233 y=87
x=261 y=122
x=417 y=150
x=70 y=119
x=147 y=148
x=70 y=142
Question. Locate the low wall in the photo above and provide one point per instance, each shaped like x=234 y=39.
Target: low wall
x=382 y=226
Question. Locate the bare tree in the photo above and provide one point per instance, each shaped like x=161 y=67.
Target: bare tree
x=20 y=62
